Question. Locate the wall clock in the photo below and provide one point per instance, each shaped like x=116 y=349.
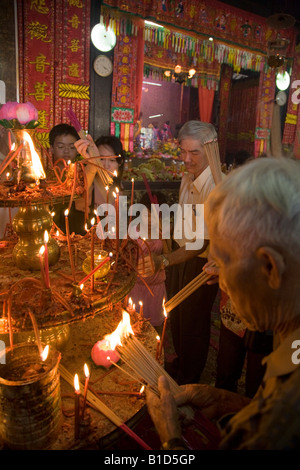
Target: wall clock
x=103 y=66
x=281 y=98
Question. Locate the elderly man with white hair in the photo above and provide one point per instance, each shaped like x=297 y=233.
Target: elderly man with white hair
x=254 y=228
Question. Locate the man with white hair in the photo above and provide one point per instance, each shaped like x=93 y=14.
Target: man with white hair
x=254 y=228
x=191 y=320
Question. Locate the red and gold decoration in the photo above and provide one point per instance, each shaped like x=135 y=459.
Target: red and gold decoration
x=54 y=60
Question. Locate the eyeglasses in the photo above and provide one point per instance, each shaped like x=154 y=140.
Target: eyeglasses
x=70 y=147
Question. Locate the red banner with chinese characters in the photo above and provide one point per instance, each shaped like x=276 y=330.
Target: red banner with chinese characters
x=124 y=93
x=54 y=70
x=292 y=119
x=265 y=103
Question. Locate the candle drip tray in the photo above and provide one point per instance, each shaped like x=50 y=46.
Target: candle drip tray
x=64 y=303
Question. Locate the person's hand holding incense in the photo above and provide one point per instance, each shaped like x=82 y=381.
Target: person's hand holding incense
x=84 y=146
x=163 y=411
x=211 y=268
x=213 y=402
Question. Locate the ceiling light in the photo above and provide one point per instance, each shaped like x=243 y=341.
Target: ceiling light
x=282 y=80
x=104 y=39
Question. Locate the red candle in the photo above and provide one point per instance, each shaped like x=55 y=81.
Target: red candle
x=131 y=201
x=164 y=330
x=92 y=253
x=47 y=278
x=157 y=347
x=69 y=244
x=117 y=221
x=107 y=189
x=86 y=384
x=77 y=406
x=141 y=309
x=94 y=270
x=41 y=257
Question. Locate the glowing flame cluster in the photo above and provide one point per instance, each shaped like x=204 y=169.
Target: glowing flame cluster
x=35 y=159
x=122 y=332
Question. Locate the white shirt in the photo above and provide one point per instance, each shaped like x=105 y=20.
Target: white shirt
x=193 y=192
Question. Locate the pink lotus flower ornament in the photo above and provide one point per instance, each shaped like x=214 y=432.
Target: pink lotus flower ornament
x=9 y=110
x=26 y=112
x=15 y=115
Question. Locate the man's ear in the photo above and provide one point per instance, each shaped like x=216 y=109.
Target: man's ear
x=272 y=265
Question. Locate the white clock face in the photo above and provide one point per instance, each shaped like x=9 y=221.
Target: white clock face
x=103 y=66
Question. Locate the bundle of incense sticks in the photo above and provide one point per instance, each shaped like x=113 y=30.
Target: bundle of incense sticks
x=103 y=175
x=100 y=406
x=137 y=357
x=187 y=290
x=213 y=155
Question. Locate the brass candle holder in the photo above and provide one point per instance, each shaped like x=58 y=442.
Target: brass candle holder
x=99 y=256
x=30 y=224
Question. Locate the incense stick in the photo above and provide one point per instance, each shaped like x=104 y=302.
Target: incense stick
x=100 y=406
x=213 y=156
x=186 y=291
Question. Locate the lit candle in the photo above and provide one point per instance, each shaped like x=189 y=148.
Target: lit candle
x=129 y=306
x=107 y=189
x=141 y=308
x=45 y=353
x=117 y=220
x=7 y=176
x=97 y=216
x=47 y=278
x=77 y=405
x=164 y=330
x=41 y=257
x=131 y=202
x=86 y=384
x=94 y=270
x=157 y=347
x=92 y=253
x=69 y=244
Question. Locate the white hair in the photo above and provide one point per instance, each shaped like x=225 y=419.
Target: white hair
x=259 y=204
x=198 y=130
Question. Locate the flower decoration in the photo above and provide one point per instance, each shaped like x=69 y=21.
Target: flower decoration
x=14 y=115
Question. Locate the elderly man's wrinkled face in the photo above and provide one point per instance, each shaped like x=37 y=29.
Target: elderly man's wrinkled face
x=193 y=156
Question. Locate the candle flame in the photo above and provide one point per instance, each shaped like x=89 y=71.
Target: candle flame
x=140 y=303
x=86 y=371
x=35 y=159
x=45 y=353
x=115 y=173
x=132 y=180
x=42 y=250
x=13 y=146
x=81 y=286
x=46 y=237
x=57 y=233
x=93 y=221
x=117 y=190
x=165 y=312
x=122 y=331
x=66 y=212
x=85 y=227
x=158 y=338
x=114 y=194
x=107 y=188
x=130 y=301
x=142 y=389
x=76 y=383
x=69 y=162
